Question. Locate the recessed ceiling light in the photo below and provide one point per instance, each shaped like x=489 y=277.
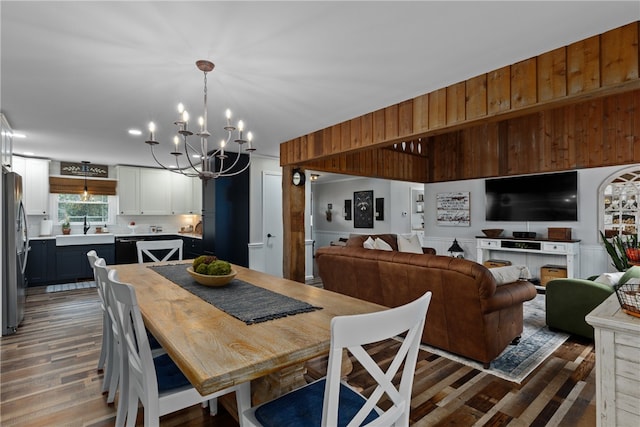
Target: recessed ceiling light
x=135 y=132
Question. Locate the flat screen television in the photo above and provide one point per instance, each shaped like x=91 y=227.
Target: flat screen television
x=545 y=197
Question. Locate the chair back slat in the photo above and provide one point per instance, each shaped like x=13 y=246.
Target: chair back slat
x=151 y=248
x=354 y=332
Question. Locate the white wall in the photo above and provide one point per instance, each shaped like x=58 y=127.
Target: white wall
x=594 y=259
x=396 y=196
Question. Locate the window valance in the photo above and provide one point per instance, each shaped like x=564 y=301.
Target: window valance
x=102 y=187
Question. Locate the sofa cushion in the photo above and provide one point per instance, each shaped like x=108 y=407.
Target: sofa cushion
x=359 y=239
x=409 y=244
x=633 y=271
x=510 y=274
x=382 y=245
x=610 y=279
x=369 y=243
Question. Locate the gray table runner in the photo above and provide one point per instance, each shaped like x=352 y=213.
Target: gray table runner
x=242 y=300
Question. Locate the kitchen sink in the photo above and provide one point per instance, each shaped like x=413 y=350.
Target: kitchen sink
x=84 y=239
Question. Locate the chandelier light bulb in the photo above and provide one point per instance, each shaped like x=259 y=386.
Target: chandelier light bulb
x=228 y=114
x=201 y=123
x=176 y=141
x=180 y=108
x=240 y=125
x=185 y=116
x=152 y=129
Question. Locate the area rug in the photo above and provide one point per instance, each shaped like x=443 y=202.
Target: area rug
x=71 y=286
x=516 y=362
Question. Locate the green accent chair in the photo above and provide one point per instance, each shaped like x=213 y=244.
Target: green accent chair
x=568 y=301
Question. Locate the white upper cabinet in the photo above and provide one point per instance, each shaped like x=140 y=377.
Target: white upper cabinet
x=128 y=190
x=35 y=184
x=155 y=192
x=181 y=194
x=145 y=191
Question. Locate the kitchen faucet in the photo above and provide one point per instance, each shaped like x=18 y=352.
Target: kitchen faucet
x=86 y=227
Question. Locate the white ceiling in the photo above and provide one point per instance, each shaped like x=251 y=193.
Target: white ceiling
x=75 y=76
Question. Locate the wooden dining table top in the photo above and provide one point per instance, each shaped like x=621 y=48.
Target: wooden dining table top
x=215 y=350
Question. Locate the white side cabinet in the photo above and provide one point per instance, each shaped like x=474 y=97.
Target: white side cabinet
x=35 y=184
x=617 y=338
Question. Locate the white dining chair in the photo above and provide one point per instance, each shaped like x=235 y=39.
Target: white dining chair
x=156 y=382
x=106 y=350
x=113 y=373
x=152 y=249
x=329 y=402
x=92 y=257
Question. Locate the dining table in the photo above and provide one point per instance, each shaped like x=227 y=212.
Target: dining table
x=216 y=350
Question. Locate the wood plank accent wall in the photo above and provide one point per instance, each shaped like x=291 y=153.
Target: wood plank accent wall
x=596 y=67
x=600 y=132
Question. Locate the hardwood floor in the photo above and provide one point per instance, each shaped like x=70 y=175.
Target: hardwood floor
x=49 y=378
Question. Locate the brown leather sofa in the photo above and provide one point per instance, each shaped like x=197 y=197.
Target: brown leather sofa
x=469 y=314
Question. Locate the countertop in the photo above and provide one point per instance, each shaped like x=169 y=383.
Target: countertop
x=117 y=235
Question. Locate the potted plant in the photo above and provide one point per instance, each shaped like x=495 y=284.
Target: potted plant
x=66 y=226
x=623 y=250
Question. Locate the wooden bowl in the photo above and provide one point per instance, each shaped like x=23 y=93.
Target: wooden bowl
x=493 y=232
x=206 y=280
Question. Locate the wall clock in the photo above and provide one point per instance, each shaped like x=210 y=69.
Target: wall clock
x=363 y=209
x=298 y=177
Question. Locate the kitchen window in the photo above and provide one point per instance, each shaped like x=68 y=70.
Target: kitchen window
x=99 y=209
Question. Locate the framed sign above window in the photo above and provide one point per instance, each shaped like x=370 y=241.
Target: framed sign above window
x=78 y=169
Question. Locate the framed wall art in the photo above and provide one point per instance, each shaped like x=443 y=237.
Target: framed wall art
x=380 y=209
x=453 y=209
x=347 y=210
x=363 y=209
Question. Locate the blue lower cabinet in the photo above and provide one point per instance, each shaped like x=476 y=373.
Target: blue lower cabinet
x=192 y=247
x=72 y=263
x=41 y=262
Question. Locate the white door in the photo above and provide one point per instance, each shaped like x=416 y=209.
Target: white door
x=272 y=222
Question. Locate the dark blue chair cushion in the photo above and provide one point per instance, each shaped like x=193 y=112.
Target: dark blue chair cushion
x=303 y=407
x=169 y=376
x=153 y=342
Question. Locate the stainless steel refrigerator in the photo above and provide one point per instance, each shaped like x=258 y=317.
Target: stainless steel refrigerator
x=15 y=248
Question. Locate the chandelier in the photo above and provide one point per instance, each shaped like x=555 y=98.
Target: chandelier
x=213 y=164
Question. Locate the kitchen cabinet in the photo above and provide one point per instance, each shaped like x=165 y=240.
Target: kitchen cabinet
x=145 y=191
x=72 y=263
x=128 y=190
x=41 y=262
x=192 y=247
x=154 y=197
x=186 y=195
x=35 y=183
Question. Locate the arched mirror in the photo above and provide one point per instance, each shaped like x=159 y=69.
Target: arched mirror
x=618 y=201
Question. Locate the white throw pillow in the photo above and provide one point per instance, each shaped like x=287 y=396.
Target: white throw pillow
x=369 y=243
x=510 y=273
x=409 y=244
x=382 y=245
x=610 y=279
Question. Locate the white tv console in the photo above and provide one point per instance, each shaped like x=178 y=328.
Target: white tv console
x=570 y=249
